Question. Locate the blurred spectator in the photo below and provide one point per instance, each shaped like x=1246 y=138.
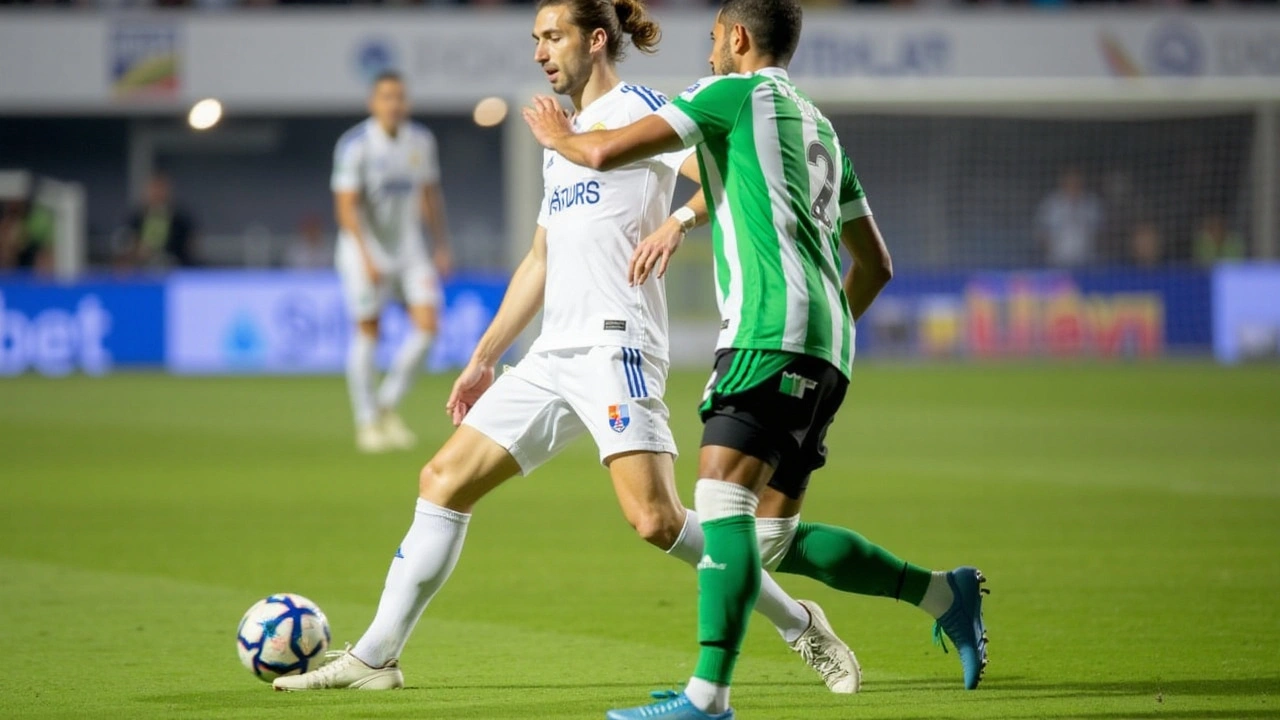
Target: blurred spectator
x=1215 y=241
x=26 y=236
x=309 y=251
x=1123 y=207
x=161 y=234
x=1068 y=221
x=1146 y=247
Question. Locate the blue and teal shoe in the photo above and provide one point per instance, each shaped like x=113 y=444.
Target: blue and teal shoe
x=962 y=622
x=670 y=706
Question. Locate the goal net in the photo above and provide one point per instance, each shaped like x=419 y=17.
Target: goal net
x=1033 y=221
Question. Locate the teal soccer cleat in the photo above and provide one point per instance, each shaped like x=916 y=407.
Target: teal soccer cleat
x=670 y=706
x=962 y=622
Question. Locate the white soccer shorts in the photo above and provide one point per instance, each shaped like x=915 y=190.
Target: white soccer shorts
x=411 y=278
x=537 y=408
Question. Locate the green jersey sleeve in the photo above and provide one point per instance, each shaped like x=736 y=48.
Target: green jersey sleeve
x=709 y=108
x=853 y=200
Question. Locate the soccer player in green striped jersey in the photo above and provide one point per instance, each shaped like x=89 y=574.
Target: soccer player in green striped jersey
x=782 y=196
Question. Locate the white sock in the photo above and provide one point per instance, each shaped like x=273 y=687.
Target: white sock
x=775 y=536
x=688 y=547
x=938 y=596
x=360 y=372
x=717 y=500
x=707 y=696
x=787 y=615
x=421 y=566
x=404 y=368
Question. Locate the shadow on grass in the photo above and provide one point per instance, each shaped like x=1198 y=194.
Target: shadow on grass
x=233 y=698
x=932 y=683
x=488 y=700
x=1234 y=687
x=1016 y=689
x=1071 y=688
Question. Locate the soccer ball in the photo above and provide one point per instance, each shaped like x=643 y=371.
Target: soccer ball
x=283 y=634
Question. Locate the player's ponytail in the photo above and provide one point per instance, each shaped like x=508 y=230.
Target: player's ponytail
x=618 y=18
x=635 y=22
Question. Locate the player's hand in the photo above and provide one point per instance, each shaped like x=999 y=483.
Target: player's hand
x=442 y=258
x=548 y=121
x=467 y=389
x=371 y=269
x=655 y=251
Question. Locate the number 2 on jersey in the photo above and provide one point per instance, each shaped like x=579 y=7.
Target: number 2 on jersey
x=821 y=162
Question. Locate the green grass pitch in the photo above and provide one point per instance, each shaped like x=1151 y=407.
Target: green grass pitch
x=1128 y=518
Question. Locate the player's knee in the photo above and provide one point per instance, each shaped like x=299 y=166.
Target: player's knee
x=428 y=324
x=368 y=328
x=775 y=536
x=438 y=483
x=659 y=528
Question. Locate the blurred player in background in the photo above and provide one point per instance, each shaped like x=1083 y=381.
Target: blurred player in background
x=783 y=196
x=598 y=368
x=386 y=181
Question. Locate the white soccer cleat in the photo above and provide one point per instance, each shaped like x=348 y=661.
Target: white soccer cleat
x=346 y=672
x=397 y=434
x=827 y=654
x=371 y=439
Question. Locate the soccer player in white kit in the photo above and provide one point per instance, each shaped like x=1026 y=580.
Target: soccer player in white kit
x=598 y=368
x=386 y=181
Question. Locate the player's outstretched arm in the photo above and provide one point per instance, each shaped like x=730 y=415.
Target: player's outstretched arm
x=599 y=149
x=872 y=267
x=519 y=305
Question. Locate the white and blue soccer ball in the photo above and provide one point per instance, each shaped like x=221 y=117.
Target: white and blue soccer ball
x=283 y=634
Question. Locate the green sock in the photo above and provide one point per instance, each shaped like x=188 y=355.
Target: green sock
x=728 y=583
x=846 y=561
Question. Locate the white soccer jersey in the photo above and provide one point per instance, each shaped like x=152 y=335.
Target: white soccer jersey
x=389 y=173
x=594 y=220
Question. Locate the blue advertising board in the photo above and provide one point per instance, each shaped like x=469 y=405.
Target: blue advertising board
x=295 y=322
x=89 y=326
x=216 y=322
x=1094 y=313
x=1246 y=312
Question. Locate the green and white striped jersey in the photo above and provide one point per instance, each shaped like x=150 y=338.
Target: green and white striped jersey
x=778 y=185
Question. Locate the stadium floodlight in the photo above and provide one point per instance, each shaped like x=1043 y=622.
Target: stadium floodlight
x=204 y=114
x=490 y=111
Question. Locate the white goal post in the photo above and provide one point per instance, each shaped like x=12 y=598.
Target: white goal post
x=66 y=200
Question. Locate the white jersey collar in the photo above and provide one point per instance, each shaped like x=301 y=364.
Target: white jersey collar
x=375 y=127
x=601 y=103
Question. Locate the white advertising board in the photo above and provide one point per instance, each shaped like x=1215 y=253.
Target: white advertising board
x=312 y=60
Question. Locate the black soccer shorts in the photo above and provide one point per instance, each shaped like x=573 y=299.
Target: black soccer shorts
x=781 y=416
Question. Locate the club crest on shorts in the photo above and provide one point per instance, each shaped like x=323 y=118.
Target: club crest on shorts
x=619 y=417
